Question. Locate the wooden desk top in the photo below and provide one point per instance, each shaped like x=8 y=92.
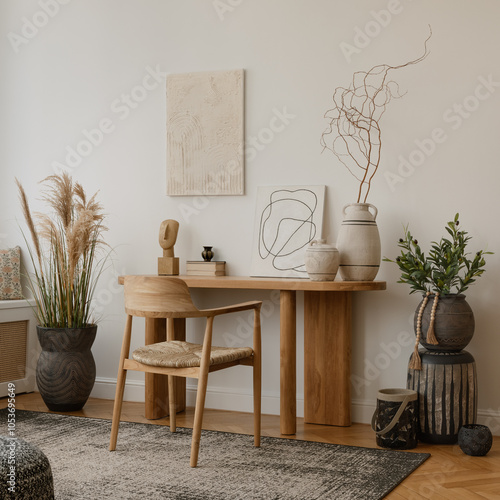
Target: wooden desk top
x=250 y=283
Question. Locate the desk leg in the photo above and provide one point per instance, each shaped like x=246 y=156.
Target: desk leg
x=327 y=358
x=156 y=386
x=288 y=397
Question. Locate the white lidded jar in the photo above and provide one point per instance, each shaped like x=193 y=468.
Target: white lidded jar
x=322 y=261
x=359 y=243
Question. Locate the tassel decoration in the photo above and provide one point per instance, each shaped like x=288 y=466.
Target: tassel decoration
x=431 y=336
x=415 y=361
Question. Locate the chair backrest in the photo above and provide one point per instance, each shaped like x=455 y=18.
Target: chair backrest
x=158 y=297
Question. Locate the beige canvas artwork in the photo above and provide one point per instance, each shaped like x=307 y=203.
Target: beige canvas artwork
x=205 y=133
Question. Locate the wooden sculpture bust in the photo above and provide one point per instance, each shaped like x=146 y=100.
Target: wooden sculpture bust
x=168 y=264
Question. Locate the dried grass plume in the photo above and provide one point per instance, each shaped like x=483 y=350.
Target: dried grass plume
x=65 y=255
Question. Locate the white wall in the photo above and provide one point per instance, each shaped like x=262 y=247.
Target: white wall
x=67 y=75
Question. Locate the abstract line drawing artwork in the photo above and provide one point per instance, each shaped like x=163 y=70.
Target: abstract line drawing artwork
x=287 y=219
x=205 y=133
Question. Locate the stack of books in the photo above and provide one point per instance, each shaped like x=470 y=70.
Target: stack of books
x=203 y=268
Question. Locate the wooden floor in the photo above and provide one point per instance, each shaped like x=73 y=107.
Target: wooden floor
x=447 y=474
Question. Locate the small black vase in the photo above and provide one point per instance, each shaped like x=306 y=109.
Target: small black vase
x=65 y=372
x=207 y=254
x=475 y=440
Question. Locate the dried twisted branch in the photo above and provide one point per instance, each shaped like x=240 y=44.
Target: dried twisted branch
x=354 y=121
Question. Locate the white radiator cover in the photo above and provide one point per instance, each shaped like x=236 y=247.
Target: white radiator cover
x=19 y=347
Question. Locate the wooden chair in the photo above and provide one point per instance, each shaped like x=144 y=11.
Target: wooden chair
x=160 y=297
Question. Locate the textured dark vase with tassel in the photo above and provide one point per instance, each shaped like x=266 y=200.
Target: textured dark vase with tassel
x=444 y=375
x=65 y=372
x=453 y=324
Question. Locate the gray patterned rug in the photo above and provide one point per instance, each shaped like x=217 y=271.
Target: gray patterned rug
x=151 y=463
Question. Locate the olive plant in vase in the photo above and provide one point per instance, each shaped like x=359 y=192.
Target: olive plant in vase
x=67 y=260
x=354 y=136
x=443 y=320
x=443 y=373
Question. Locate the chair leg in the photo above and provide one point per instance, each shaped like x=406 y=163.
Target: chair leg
x=117 y=409
x=171 y=402
x=201 y=392
x=198 y=417
x=120 y=385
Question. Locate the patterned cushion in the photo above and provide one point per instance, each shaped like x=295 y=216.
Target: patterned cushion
x=178 y=354
x=10 y=274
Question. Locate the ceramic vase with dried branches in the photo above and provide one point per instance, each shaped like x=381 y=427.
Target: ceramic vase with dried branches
x=67 y=262
x=354 y=136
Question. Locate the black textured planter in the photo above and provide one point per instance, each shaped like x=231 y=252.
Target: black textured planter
x=447 y=394
x=65 y=372
x=454 y=324
x=475 y=440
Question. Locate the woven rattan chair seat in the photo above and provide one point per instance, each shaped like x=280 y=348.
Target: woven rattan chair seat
x=179 y=354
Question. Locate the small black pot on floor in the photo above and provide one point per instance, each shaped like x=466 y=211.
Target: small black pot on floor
x=65 y=372
x=475 y=440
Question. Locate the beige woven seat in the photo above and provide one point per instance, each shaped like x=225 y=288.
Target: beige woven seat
x=179 y=354
x=169 y=298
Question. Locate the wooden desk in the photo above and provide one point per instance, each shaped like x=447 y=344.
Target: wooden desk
x=327 y=346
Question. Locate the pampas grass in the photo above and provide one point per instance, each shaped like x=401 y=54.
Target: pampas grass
x=65 y=253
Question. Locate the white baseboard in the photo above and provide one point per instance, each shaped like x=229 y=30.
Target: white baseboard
x=362 y=411
x=105 y=388
x=225 y=399
x=217 y=397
